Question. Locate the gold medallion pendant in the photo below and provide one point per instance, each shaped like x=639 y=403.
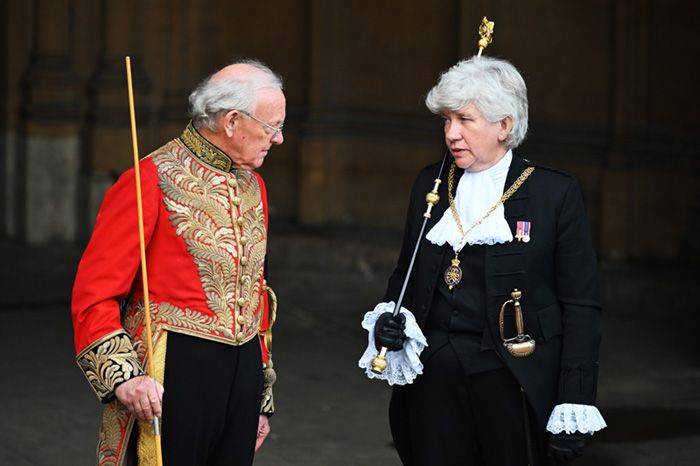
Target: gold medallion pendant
x=453 y=274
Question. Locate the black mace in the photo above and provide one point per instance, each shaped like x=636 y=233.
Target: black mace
x=432 y=198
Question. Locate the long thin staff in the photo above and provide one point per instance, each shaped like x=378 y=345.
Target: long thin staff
x=432 y=198
x=142 y=245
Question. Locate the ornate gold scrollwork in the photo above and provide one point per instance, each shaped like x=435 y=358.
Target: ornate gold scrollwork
x=108 y=362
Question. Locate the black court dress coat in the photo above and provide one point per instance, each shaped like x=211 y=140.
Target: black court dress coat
x=556 y=272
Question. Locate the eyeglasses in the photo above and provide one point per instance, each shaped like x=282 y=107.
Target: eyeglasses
x=267 y=127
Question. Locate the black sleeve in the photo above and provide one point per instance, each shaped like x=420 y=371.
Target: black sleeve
x=579 y=295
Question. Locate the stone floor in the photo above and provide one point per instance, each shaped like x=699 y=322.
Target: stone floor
x=328 y=412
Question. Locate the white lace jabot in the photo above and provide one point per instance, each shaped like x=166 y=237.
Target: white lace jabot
x=476 y=193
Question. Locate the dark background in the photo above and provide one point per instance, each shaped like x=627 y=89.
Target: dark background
x=613 y=100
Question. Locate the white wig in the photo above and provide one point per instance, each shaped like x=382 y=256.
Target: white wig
x=212 y=97
x=493 y=85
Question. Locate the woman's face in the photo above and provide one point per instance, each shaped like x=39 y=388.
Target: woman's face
x=475 y=143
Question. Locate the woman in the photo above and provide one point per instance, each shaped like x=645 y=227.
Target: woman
x=507 y=237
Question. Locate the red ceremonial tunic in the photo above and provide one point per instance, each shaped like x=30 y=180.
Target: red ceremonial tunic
x=205 y=228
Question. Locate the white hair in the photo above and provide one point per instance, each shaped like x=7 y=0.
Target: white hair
x=212 y=97
x=493 y=85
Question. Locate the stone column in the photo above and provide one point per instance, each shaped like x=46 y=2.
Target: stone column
x=179 y=63
x=321 y=184
x=107 y=137
x=48 y=147
x=4 y=131
x=630 y=120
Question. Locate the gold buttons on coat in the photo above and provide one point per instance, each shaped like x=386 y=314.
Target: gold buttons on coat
x=244 y=240
x=239 y=336
x=239 y=221
x=236 y=200
x=232 y=182
x=244 y=261
x=241 y=301
x=240 y=320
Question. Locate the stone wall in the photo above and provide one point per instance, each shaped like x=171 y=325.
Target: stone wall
x=611 y=100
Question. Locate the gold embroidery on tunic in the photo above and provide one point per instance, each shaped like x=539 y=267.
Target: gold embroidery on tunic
x=134 y=324
x=109 y=361
x=146 y=445
x=253 y=229
x=116 y=427
x=205 y=150
x=117 y=423
x=203 y=213
x=172 y=318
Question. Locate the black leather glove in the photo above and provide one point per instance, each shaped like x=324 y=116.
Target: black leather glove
x=389 y=331
x=563 y=448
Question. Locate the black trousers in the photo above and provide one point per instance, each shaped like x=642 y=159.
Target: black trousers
x=449 y=418
x=211 y=402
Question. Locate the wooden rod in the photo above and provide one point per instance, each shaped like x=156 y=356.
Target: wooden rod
x=142 y=247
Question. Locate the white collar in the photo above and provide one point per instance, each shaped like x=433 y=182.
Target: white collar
x=476 y=193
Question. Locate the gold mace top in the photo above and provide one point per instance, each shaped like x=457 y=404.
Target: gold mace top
x=485 y=34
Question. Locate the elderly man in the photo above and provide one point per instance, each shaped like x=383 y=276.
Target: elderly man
x=205 y=224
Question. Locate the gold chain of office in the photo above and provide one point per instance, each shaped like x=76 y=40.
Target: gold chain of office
x=513 y=188
x=453 y=274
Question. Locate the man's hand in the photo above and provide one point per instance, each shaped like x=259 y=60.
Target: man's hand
x=263 y=430
x=142 y=396
x=563 y=447
x=389 y=331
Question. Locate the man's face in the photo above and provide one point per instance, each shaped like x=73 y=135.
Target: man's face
x=248 y=142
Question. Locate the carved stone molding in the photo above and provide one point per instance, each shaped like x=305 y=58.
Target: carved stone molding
x=107 y=137
x=50 y=87
x=46 y=168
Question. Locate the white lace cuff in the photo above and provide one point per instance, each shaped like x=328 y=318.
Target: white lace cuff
x=402 y=367
x=572 y=418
